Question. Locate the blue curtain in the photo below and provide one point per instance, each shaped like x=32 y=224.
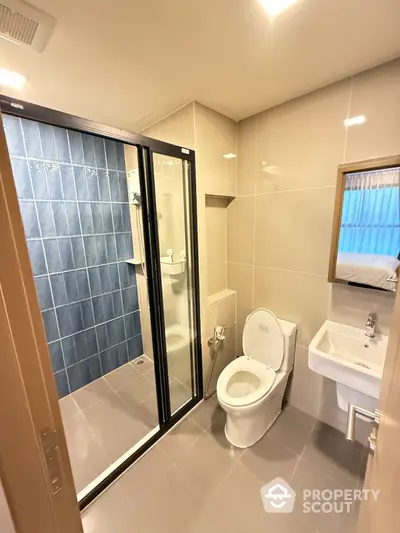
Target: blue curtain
x=371 y=213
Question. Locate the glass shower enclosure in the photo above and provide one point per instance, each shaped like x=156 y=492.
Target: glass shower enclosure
x=111 y=227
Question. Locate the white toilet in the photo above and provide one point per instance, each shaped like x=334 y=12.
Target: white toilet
x=251 y=388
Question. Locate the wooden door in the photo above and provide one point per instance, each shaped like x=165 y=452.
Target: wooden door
x=28 y=398
x=383 y=471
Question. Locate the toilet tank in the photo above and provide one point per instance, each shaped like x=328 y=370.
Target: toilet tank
x=289 y=331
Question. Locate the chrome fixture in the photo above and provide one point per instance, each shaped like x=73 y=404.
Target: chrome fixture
x=351 y=423
x=370 y=326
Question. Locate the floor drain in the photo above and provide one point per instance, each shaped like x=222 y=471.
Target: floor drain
x=140 y=362
x=363 y=365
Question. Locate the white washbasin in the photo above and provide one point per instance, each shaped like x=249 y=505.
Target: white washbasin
x=345 y=355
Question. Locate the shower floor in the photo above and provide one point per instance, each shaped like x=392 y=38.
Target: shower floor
x=105 y=419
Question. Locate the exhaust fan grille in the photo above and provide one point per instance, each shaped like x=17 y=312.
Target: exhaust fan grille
x=16 y=26
x=25 y=24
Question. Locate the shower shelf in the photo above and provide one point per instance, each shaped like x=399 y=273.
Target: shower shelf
x=133 y=261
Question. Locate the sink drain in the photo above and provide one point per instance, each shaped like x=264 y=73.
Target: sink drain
x=363 y=365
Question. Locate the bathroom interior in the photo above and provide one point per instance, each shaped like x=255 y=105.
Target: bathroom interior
x=214 y=312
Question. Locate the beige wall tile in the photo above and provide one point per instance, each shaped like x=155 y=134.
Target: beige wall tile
x=299 y=298
x=293 y=230
x=301 y=143
x=375 y=94
x=351 y=305
x=216 y=278
x=240 y=279
x=241 y=230
x=216 y=221
x=216 y=135
x=306 y=386
x=177 y=128
x=247 y=156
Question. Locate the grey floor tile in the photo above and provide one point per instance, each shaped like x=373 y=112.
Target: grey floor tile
x=329 y=451
x=269 y=459
x=121 y=376
x=68 y=407
x=92 y=393
x=179 y=395
x=144 y=475
x=87 y=457
x=110 y=513
x=170 y=507
x=175 y=443
x=142 y=364
x=207 y=412
x=292 y=428
x=136 y=390
x=206 y=463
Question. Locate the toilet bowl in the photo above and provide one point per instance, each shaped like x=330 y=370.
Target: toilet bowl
x=251 y=388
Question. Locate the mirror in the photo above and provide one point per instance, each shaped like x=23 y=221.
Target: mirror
x=365 y=248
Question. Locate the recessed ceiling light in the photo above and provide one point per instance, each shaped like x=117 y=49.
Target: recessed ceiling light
x=274 y=7
x=229 y=156
x=11 y=79
x=352 y=121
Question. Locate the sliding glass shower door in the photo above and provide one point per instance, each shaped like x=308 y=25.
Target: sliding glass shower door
x=174 y=195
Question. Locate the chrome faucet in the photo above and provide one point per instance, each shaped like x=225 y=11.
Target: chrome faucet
x=370 y=326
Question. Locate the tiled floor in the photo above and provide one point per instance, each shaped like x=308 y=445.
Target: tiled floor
x=194 y=481
x=106 y=418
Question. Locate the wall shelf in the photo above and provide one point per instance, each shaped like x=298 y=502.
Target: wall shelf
x=133 y=261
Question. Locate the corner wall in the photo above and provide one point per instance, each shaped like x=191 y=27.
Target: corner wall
x=279 y=225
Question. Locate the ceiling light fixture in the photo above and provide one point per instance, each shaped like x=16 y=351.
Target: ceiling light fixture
x=11 y=79
x=352 y=121
x=229 y=156
x=274 y=7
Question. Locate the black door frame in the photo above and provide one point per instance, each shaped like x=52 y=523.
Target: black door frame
x=146 y=147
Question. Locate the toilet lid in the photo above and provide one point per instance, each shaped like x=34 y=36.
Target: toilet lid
x=263 y=338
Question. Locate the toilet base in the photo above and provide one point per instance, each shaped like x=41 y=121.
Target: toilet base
x=246 y=426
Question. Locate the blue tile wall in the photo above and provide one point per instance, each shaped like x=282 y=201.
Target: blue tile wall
x=73 y=197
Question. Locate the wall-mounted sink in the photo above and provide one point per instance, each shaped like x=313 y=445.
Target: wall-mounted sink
x=345 y=355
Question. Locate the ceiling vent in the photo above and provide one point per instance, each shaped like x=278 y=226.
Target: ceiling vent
x=21 y=23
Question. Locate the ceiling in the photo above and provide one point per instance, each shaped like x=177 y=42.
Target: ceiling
x=128 y=63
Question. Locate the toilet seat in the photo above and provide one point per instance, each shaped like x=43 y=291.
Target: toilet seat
x=243 y=392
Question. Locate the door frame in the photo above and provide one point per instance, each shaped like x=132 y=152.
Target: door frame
x=146 y=148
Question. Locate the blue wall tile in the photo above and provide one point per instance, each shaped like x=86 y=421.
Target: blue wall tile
x=46 y=219
x=60 y=219
x=48 y=141
x=92 y=184
x=66 y=255
x=75 y=143
x=79 y=288
x=21 y=177
x=85 y=212
x=88 y=150
x=99 y=152
x=68 y=182
x=52 y=255
x=50 y=325
x=56 y=356
x=63 y=154
x=104 y=185
x=39 y=182
x=54 y=181
x=135 y=347
x=73 y=218
x=62 y=383
x=29 y=218
x=78 y=252
x=13 y=131
x=36 y=255
x=111 y=154
x=44 y=292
